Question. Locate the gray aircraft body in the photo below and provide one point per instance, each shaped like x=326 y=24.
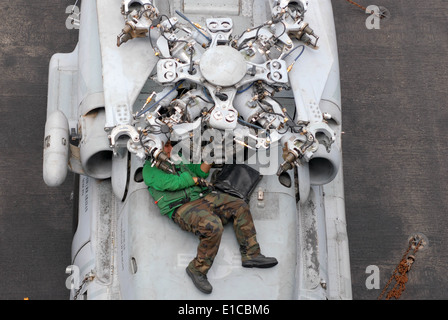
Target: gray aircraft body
x=249 y=82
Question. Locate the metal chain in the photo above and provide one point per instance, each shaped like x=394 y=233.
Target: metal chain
x=88 y=277
x=383 y=14
x=400 y=272
x=358 y=5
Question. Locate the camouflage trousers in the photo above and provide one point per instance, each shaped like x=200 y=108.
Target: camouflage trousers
x=206 y=218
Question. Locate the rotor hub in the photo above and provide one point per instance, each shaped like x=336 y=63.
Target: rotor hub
x=223 y=66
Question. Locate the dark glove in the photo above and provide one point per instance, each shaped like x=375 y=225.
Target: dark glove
x=204 y=183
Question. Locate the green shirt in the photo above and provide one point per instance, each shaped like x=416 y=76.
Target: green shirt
x=170 y=191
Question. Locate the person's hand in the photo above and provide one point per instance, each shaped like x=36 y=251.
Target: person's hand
x=201 y=182
x=205 y=167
